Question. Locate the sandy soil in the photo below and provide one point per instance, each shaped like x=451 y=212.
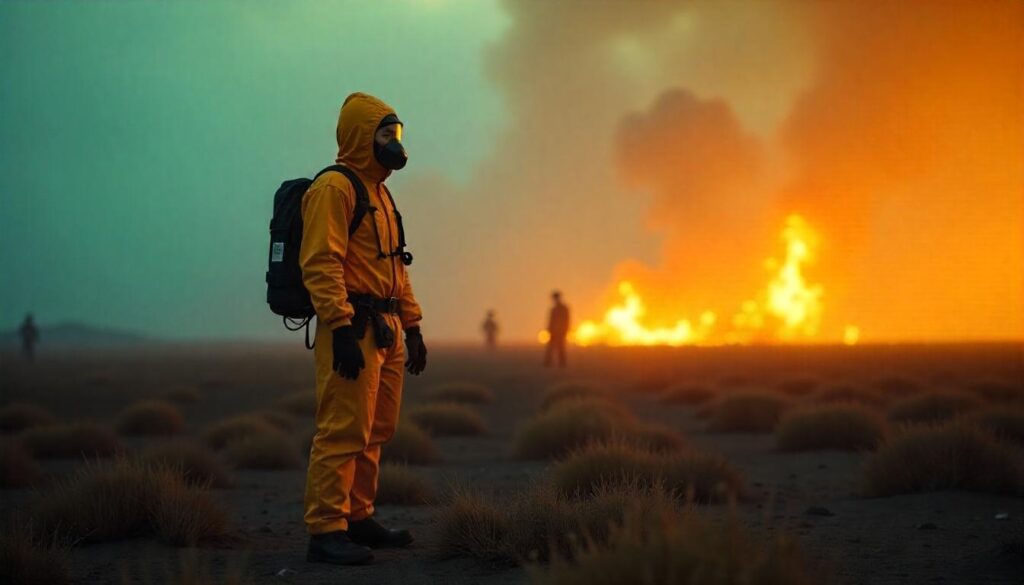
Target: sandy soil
x=948 y=537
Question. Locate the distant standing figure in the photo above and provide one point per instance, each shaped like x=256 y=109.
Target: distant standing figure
x=490 y=328
x=29 y=336
x=558 y=328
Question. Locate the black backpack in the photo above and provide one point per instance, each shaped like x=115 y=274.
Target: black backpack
x=286 y=294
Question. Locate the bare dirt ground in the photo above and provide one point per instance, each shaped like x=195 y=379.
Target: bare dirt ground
x=945 y=537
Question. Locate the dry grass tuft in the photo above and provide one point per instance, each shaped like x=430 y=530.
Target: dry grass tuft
x=689 y=475
x=448 y=419
x=747 y=411
x=183 y=396
x=996 y=391
x=301 y=404
x=400 y=486
x=71 y=441
x=282 y=421
x=19 y=416
x=691 y=394
x=531 y=525
x=849 y=393
x=898 y=386
x=848 y=427
x=954 y=456
x=152 y=417
x=568 y=426
x=17 y=468
x=410 y=445
x=194 y=463
x=28 y=561
x=464 y=392
x=219 y=434
x=183 y=515
x=1005 y=423
x=798 y=386
x=124 y=499
x=271 y=449
x=570 y=391
x=681 y=548
x=932 y=407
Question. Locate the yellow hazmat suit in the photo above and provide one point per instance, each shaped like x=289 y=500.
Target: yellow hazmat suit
x=353 y=417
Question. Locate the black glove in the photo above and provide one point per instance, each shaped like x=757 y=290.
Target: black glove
x=415 y=351
x=348 y=357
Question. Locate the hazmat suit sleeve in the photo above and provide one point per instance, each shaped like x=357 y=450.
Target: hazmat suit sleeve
x=326 y=212
x=411 y=312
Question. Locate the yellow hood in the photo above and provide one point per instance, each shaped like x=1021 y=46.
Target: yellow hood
x=360 y=115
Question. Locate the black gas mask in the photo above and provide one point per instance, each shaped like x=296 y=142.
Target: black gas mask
x=392 y=155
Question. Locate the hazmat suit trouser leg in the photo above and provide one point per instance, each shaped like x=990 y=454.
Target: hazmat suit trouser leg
x=353 y=419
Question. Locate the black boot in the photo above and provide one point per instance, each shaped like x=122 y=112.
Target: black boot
x=368 y=532
x=336 y=547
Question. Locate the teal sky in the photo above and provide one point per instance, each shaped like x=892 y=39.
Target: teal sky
x=141 y=142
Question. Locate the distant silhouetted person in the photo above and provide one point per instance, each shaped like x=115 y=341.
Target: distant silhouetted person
x=29 y=337
x=558 y=328
x=490 y=328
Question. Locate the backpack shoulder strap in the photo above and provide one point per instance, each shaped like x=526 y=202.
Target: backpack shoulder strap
x=362 y=197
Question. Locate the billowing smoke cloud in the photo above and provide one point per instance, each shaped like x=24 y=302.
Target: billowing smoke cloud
x=648 y=144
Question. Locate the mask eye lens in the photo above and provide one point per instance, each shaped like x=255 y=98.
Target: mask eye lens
x=398 y=132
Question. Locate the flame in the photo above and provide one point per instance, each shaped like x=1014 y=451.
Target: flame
x=790 y=308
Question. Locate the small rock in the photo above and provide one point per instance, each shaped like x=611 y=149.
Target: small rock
x=806 y=524
x=818 y=511
x=1002 y=516
x=927 y=526
x=266 y=530
x=822 y=466
x=286 y=572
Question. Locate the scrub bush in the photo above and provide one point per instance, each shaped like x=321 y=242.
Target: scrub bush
x=849 y=394
x=953 y=456
x=152 y=417
x=20 y=416
x=681 y=548
x=898 y=386
x=71 y=441
x=17 y=468
x=692 y=475
x=410 y=445
x=218 y=435
x=996 y=391
x=399 y=485
x=569 y=425
x=932 y=407
x=183 y=396
x=847 y=427
x=798 y=386
x=194 y=463
x=690 y=394
x=281 y=421
x=571 y=391
x=123 y=499
x=747 y=411
x=444 y=419
x=301 y=403
x=270 y=449
x=27 y=561
x=464 y=392
x=530 y=525
x=1006 y=423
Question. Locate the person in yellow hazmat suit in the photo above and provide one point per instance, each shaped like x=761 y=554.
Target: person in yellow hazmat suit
x=360 y=289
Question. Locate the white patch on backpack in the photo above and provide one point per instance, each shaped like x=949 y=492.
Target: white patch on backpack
x=277 y=251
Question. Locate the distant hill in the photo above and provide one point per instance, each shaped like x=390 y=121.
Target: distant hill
x=80 y=334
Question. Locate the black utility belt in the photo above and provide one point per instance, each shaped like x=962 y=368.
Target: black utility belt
x=368 y=310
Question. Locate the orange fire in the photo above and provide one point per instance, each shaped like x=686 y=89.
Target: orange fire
x=789 y=309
